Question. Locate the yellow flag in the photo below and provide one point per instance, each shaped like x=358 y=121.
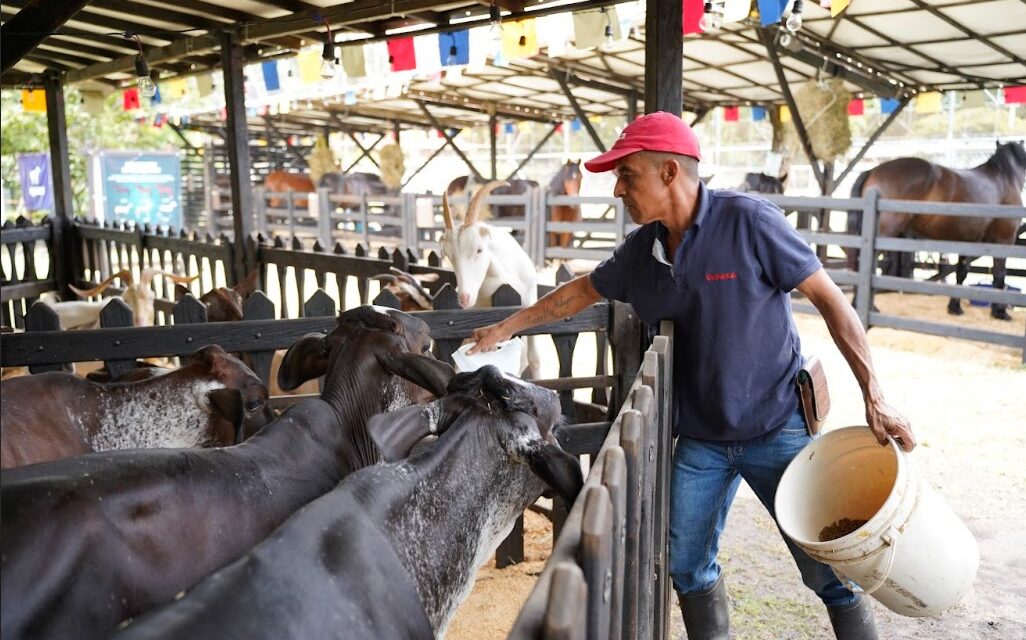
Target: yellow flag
x=519 y=39
x=785 y=113
x=176 y=88
x=205 y=84
x=309 y=66
x=92 y=102
x=33 y=100
x=837 y=6
x=929 y=102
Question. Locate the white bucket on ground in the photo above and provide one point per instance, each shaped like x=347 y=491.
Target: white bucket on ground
x=913 y=554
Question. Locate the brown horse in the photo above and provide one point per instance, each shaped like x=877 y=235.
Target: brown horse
x=566 y=182
x=281 y=181
x=468 y=185
x=998 y=181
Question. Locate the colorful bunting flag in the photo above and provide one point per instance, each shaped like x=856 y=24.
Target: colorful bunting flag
x=159 y=120
x=929 y=102
x=309 y=61
x=785 y=113
x=1015 y=95
x=837 y=6
x=353 y=63
x=92 y=101
x=428 y=54
x=692 y=13
x=130 y=99
x=736 y=10
x=401 y=54
x=770 y=11
x=888 y=105
x=204 y=84
x=856 y=107
x=33 y=100
x=555 y=32
x=731 y=114
x=454 y=47
x=519 y=39
x=269 y=70
x=576 y=124
x=758 y=113
x=176 y=88
x=590 y=27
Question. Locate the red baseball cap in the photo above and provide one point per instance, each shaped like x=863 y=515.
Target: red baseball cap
x=659 y=131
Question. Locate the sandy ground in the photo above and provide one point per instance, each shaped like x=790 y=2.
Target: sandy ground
x=965 y=402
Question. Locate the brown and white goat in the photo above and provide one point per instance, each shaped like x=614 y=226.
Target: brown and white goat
x=213 y=400
x=407 y=288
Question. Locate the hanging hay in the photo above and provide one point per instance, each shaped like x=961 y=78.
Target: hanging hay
x=321 y=160
x=824 y=110
x=392 y=167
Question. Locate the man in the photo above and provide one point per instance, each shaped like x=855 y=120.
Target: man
x=719 y=265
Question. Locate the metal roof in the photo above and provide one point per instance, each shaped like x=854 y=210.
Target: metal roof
x=885 y=47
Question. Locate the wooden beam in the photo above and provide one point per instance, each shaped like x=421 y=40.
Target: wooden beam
x=60 y=173
x=31 y=25
x=872 y=139
x=238 y=147
x=449 y=140
x=581 y=115
x=664 y=61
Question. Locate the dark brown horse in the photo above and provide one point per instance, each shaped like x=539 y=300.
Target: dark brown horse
x=566 y=182
x=998 y=181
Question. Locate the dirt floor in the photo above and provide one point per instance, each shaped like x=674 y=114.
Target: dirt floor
x=966 y=404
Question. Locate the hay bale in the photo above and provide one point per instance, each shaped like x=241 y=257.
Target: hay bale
x=824 y=110
x=321 y=160
x=390 y=159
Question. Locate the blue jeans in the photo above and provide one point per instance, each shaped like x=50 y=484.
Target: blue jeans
x=704 y=481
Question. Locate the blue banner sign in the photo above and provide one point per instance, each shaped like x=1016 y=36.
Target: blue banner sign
x=36 y=188
x=144 y=188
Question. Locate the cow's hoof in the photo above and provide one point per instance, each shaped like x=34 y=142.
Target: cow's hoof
x=955 y=310
x=1000 y=314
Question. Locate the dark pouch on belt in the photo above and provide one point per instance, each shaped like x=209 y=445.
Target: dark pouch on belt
x=814 y=394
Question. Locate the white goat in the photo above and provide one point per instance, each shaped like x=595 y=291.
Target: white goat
x=484 y=258
x=83 y=314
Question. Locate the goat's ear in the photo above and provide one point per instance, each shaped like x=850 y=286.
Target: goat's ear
x=305 y=360
x=485 y=232
x=423 y=371
x=556 y=467
x=180 y=292
x=248 y=285
x=226 y=405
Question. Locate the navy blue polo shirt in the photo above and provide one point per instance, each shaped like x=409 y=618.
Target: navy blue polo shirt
x=736 y=347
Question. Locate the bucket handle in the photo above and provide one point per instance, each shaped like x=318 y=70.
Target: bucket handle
x=891 y=538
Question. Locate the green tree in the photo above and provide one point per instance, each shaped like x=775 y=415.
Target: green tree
x=112 y=128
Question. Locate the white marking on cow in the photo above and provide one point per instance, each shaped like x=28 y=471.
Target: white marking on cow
x=157 y=418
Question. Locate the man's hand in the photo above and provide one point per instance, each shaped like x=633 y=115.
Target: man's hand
x=884 y=420
x=487 y=337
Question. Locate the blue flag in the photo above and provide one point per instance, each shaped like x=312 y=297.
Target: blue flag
x=454 y=47
x=758 y=113
x=270 y=70
x=888 y=105
x=770 y=11
x=36 y=188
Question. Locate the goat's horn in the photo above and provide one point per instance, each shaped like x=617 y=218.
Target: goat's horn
x=148 y=273
x=124 y=274
x=475 y=202
x=446 y=213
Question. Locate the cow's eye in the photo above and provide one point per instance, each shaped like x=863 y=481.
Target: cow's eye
x=480 y=250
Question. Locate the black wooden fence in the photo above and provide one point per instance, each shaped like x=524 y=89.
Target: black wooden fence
x=607 y=576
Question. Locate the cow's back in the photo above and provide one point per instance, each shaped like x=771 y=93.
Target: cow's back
x=45 y=417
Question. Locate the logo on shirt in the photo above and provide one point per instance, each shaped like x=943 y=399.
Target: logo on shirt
x=716 y=277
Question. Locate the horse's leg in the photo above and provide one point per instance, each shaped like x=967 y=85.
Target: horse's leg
x=961 y=271
x=999 y=310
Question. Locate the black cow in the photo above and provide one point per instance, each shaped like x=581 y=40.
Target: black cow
x=90 y=541
x=394 y=549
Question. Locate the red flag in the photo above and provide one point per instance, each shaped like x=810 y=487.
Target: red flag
x=1015 y=95
x=693 y=10
x=856 y=107
x=401 y=54
x=731 y=114
x=130 y=99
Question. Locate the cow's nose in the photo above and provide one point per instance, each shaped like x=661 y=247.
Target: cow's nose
x=464 y=299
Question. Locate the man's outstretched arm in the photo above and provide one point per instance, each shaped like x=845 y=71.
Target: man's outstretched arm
x=562 y=302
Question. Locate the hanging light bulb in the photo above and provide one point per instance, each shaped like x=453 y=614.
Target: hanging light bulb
x=794 y=21
x=711 y=20
x=328 y=61
x=607 y=33
x=144 y=82
x=495 y=24
x=453 y=52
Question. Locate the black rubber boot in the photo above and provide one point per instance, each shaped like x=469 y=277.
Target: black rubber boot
x=853 y=622
x=706 y=613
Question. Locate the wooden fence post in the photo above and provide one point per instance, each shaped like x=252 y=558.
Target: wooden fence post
x=42 y=317
x=626 y=337
x=867 y=257
x=632 y=434
x=614 y=478
x=259 y=307
x=597 y=558
x=566 y=612
x=117 y=314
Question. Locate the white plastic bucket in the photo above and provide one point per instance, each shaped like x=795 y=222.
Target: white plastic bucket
x=507 y=357
x=913 y=553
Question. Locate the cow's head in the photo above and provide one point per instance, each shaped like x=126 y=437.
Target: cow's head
x=355 y=384
x=238 y=405
x=224 y=304
x=521 y=416
x=137 y=295
x=469 y=247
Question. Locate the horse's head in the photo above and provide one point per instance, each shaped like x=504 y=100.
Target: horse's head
x=1010 y=158
x=567 y=180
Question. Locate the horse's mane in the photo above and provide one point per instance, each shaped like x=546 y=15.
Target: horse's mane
x=1009 y=160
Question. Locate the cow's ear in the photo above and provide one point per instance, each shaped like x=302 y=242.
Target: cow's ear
x=305 y=360
x=423 y=371
x=396 y=432
x=369 y=317
x=556 y=467
x=227 y=408
x=248 y=285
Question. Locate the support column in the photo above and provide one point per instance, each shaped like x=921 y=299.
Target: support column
x=232 y=62
x=632 y=107
x=664 y=58
x=493 y=122
x=60 y=172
